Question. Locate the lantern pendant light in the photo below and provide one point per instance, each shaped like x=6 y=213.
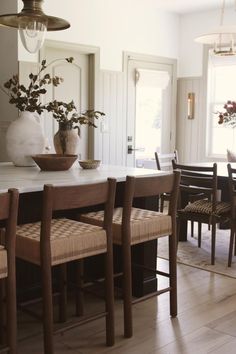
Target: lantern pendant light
x=33 y=23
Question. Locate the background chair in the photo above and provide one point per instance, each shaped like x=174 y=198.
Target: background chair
x=55 y=242
x=202 y=180
x=164 y=163
x=132 y=226
x=8 y=214
x=232 y=194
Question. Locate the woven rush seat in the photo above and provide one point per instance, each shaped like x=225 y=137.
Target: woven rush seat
x=145 y=224
x=204 y=206
x=69 y=240
x=3 y=262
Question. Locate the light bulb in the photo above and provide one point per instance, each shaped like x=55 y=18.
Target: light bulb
x=32 y=34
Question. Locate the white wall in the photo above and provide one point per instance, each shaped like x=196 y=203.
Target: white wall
x=115 y=26
x=192 y=26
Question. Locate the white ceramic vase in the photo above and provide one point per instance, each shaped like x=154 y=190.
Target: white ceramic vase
x=25 y=138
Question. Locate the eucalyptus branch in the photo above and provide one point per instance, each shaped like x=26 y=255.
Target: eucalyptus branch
x=67 y=115
x=28 y=98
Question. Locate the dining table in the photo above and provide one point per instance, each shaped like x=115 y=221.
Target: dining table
x=30 y=182
x=222 y=186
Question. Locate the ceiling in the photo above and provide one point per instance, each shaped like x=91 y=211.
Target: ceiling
x=186 y=6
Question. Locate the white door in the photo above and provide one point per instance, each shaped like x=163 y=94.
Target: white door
x=74 y=87
x=149 y=111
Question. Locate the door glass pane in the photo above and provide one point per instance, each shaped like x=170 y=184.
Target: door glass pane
x=150 y=98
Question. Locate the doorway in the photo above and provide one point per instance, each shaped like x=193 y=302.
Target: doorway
x=151 y=89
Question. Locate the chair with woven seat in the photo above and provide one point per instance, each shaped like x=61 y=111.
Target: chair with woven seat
x=8 y=215
x=202 y=180
x=57 y=241
x=132 y=226
x=232 y=194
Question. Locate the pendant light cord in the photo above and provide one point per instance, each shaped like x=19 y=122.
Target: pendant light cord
x=223 y=12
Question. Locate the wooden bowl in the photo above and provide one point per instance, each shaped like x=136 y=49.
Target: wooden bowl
x=54 y=162
x=89 y=164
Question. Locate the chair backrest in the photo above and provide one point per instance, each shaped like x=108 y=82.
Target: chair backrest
x=164 y=161
x=137 y=187
x=8 y=213
x=232 y=189
x=57 y=198
x=196 y=180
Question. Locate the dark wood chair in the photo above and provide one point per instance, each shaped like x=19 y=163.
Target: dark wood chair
x=132 y=226
x=57 y=241
x=8 y=217
x=164 y=163
x=202 y=180
x=232 y=194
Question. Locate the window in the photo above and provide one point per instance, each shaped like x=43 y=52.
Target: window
x=221 y=88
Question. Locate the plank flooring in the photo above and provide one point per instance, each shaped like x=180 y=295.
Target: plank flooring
x=206 y=322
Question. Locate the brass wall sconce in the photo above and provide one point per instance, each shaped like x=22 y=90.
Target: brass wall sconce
x=33 y=23
x=191 y=104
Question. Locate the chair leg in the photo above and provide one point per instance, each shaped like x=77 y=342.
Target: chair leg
x=231 y=243
x=109 y=284
x=79 y=296
x=63 y=292
x=199 y=234
x=47 y=307
x=2 y=310
x=192 y=228
x=213 y=242
x=127 y=291
x=234 y=241
x=11 y=308
x=162 y=204
x=173 y=275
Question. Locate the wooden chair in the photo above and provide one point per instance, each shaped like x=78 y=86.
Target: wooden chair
x=8 y=215
x=164 y=163
x=132 y=226
x=57 y=241
x=202 y=180
x=232 y=194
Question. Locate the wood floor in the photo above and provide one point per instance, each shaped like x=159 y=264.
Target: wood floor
x=206 y=322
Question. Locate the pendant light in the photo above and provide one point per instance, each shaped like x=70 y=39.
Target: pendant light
x=33 y=23
x=223 y=38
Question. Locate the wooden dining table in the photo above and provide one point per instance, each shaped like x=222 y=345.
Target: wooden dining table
x=30 y=181
x=222 y=185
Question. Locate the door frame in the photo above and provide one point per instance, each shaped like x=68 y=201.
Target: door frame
x=157 y=60
x=94 y=75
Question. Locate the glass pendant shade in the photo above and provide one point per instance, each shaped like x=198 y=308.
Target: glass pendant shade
x=32 y=35
x=33 y=23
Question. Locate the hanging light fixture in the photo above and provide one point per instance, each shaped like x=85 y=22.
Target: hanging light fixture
x=222 y=38
x=33 y=23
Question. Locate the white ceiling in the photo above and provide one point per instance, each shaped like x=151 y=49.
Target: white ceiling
x=186 y=6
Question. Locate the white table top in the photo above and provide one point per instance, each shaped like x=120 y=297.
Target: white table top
x=32 y=179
